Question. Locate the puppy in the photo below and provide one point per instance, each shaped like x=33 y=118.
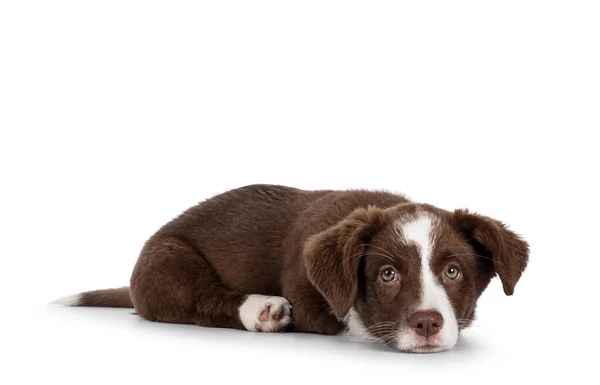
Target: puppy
x=268 y=258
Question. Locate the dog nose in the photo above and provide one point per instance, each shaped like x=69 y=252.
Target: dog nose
x=426 y=323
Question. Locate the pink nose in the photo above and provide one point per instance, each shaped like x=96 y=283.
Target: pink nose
x=426 y=323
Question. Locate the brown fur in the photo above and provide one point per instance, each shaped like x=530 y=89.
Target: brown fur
x=322 y=250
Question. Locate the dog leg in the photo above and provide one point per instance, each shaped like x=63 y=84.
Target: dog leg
x=172 y=282
x=312 y=314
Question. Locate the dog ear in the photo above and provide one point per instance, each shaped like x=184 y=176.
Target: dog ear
x=332 y=257
x=491 y=238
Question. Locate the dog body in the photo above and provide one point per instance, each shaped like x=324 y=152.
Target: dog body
x=273 y=258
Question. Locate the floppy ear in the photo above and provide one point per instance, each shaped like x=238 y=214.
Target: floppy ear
x=332 y=257
x=490 y=237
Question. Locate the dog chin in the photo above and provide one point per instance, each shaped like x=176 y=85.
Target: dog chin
x=410 y=343
x=424 y=349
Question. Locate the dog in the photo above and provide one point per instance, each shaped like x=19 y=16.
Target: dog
x=373 y=264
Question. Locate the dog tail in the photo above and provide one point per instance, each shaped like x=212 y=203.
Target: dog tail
x=98 y=298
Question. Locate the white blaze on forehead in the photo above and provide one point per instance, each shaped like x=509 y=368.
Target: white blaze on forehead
x=433 y=296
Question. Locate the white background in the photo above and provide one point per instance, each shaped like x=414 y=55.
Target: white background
x=117 y=115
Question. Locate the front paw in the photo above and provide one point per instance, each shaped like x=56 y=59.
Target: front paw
x=261 y=313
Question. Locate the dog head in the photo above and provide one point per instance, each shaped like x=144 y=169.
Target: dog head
x=410 y=275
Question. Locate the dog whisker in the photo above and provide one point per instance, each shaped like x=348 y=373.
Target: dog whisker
x=389 y=338
x=371 y=253
x=381 y=325
x=381 y=330
x=379 y=248
x=383 y=255
x=475 y=255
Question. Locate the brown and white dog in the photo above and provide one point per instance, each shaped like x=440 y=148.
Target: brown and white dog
x=372 y=264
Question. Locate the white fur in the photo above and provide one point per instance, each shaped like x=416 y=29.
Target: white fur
x=355 y=327
x=434 y=297
x=255 y=304
x=69 y=300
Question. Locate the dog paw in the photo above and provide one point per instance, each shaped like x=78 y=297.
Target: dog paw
x=261 y=313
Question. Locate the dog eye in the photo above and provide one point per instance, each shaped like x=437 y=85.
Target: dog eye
x=388 y=275
x=451 y=273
